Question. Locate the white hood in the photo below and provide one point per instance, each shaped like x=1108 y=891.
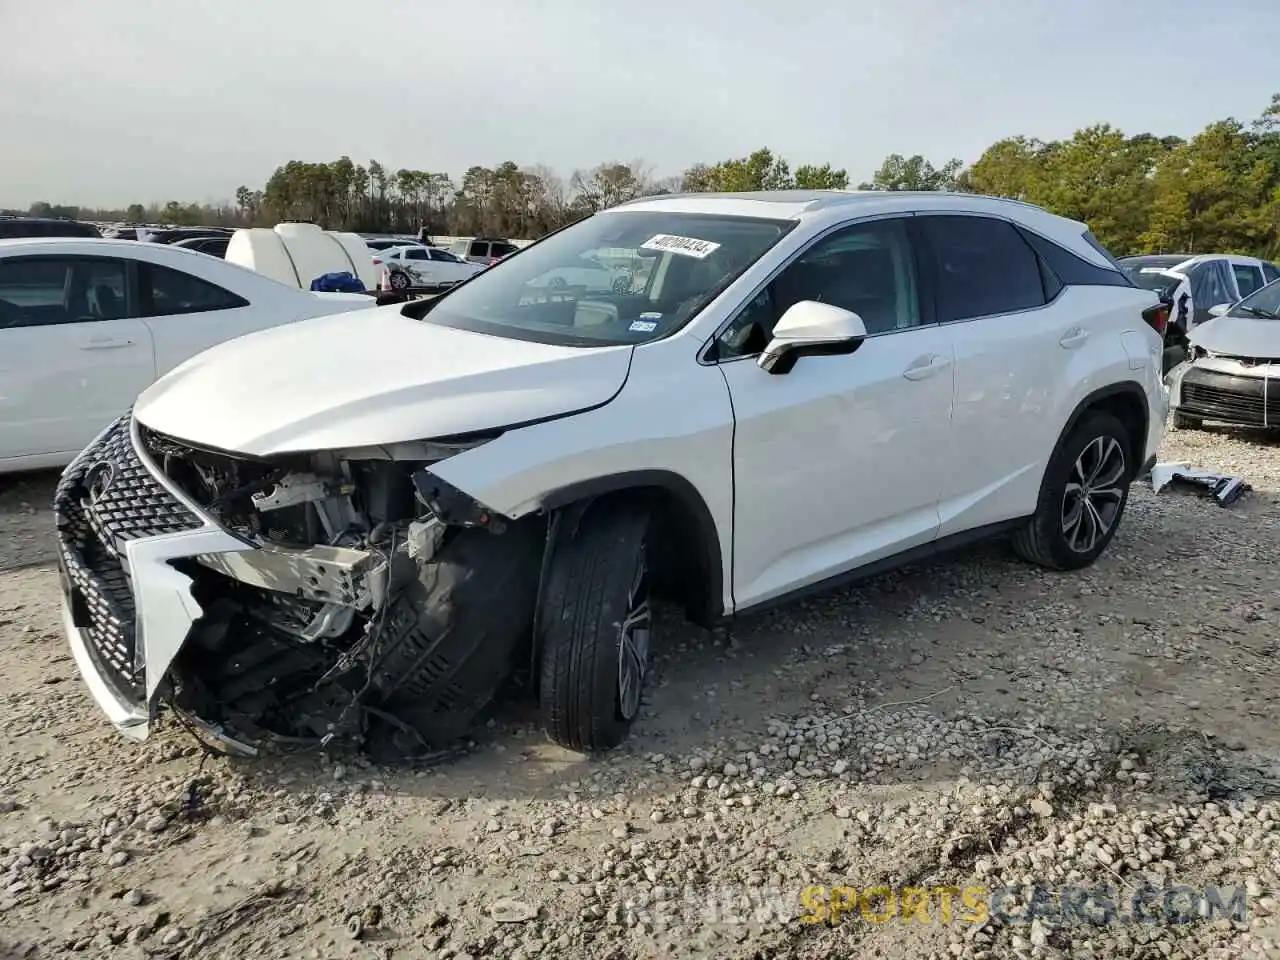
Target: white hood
x=370 y=377
x=1239 y=337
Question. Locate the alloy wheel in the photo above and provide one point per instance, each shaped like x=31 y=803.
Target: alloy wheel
x=1094 y=493
x=633 y=644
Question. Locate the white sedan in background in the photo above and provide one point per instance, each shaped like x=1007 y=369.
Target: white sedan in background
x=414 y=265
x=590 y=273
x=87 y=325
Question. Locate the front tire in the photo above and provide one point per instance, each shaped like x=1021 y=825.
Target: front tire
x=1082 y=497
x=594 y=629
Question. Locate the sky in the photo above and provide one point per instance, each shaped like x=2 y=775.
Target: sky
x=104 y=103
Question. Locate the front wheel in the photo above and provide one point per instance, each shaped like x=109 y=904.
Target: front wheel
x=1082 y=497
x=594 y=629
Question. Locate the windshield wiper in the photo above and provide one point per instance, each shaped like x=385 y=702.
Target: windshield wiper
x=1259 y=312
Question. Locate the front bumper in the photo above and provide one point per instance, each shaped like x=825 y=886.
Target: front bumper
x=126 y=610
x=1227 y=390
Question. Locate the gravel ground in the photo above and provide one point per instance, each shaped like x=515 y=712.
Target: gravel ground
x=971 y=722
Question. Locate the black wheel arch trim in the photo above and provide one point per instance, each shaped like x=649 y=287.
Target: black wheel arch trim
x=581 y=495
x=1125 y=388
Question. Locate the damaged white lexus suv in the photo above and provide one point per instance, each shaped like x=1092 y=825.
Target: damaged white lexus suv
x=364 y=526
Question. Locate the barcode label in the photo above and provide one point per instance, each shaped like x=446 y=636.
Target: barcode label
x=685 y=246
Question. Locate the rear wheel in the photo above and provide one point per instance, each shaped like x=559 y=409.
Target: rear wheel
x=594 y=629
x=399 y=280
x=1082 y=497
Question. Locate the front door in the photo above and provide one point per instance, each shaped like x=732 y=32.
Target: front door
x=73 y=353
x=836 y=463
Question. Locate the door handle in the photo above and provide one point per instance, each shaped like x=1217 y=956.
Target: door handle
x=926 y=366
x=106 y=343
x=1073 y=338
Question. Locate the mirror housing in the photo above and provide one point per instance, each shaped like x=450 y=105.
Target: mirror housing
x=1219 y=310
x=811 y=329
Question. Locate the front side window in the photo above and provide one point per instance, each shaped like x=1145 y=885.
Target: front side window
x=671 y=265
x=39 y=291
x=867 y=269
x=1248 y=279
x=1270 y=271
x=479 y=249
x=166 y=292
x=982 y=267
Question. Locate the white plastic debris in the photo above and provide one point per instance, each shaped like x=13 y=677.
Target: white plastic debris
x=1223 y=488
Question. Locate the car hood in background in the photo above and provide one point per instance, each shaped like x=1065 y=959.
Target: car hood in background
x=367 y=378
x=1239 y=337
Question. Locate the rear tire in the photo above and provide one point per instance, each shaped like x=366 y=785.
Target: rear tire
x=594 y=629
x=1082 y=496
x=453 y=635
x=1184 y=421
x=399 y=280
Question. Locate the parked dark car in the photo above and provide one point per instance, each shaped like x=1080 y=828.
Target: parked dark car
x=214 y=246
x=15 y=227
x=172 y=234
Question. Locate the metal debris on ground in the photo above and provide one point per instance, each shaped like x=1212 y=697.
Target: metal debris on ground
x=1224 y=489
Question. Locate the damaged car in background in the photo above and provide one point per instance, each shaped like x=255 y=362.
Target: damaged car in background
x=363 y=527
x=1233 y=373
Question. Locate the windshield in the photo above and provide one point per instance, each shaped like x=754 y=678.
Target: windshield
x=1264 y=303
x=614 y=278
x=1153 y=278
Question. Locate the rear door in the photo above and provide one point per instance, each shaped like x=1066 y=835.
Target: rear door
x=1013 y=339
x=421 y=265
x=73 y=352
x=187 y=314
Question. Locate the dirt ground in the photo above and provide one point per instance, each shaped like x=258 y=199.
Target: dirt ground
x=969 y=723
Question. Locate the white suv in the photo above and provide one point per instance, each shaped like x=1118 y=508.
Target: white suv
x=361 y=526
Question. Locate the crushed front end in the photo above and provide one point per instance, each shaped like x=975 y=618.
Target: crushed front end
x=290 y=599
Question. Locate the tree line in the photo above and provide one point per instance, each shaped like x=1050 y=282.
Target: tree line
x=1217 y=191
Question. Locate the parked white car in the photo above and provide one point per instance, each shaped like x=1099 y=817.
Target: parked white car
x=809 y=387
x=87 y=325
x=1233 y=374
x=414 y=265
x=1194 y=286
x=589 y=273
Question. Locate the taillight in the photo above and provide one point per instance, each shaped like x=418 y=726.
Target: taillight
x=377 y=262
x=1157 y=318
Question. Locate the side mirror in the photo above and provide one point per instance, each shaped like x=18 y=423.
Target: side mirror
x=811 y=329
x=1219 y=310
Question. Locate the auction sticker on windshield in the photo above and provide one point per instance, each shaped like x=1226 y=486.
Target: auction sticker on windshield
x=685 y=246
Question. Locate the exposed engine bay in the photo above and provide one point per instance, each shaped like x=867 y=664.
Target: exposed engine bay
x=380 y=604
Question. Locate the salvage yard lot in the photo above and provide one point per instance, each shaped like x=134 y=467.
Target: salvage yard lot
x=893 y=733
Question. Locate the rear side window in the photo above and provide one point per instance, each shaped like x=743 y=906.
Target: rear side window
x=1248 y=279
x=479 y=250
x=1075 y=271
x=166 y=291
x=981 y=267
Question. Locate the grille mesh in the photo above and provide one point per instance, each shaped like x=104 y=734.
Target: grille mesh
x=106 y=498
